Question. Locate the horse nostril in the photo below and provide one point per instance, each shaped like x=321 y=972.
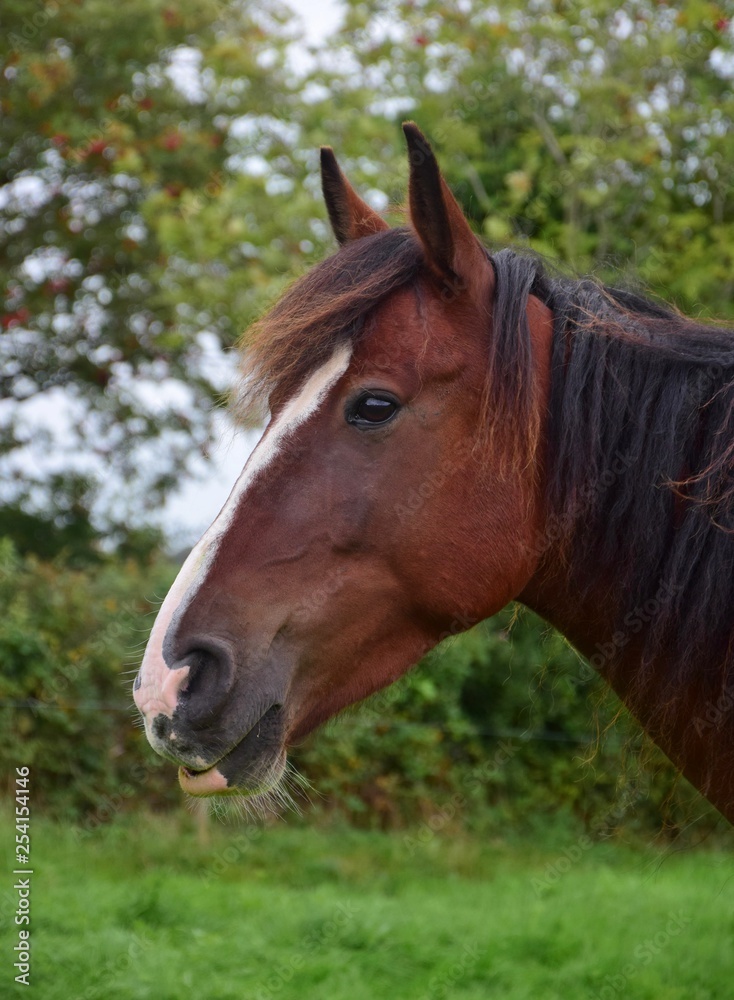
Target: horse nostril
x=207 y=683
x=202 y=663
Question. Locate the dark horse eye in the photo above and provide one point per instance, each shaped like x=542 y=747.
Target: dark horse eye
x=370 y=409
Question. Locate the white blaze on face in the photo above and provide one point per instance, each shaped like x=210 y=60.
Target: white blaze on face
x=159 y=685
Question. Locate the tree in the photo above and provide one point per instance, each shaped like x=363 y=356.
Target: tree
x=137 y=228
x=158 y=184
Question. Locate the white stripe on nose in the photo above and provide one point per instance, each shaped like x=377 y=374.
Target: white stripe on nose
x=159 y=687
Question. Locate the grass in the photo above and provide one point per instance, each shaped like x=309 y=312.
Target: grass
x=142 y=909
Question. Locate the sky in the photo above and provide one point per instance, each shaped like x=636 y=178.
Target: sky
x=192 y=509
x=320 y=17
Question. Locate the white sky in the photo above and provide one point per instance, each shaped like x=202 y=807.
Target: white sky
x=320 y=17
x=190 y=511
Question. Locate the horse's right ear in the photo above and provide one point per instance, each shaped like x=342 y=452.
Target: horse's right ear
x=351 y=217
x=453 y=252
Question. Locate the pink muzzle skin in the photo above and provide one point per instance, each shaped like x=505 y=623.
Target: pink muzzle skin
x=161 y=698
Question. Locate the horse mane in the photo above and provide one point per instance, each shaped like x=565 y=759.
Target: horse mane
x=640 y=468
x=640 y=430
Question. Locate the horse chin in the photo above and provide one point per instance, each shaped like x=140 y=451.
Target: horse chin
x=252 y=767
x=248 y=784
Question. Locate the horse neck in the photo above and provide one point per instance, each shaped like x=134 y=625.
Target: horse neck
x=684 y=702
x=694 y=730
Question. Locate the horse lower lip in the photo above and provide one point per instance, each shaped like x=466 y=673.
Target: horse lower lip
x=210 y=782
x=240 y=763
x=191 y=773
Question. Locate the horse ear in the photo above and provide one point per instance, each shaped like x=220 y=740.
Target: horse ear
x=452 y=250
x=350 y=216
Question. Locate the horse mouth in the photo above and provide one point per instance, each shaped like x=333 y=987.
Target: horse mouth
x=251 y=767
x=209 y=782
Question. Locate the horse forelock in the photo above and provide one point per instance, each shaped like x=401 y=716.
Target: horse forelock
x=323 y=308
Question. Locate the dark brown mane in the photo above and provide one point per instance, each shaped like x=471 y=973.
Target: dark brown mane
x=641 y=468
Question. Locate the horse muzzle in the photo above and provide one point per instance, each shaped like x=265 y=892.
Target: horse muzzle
x=209 y=718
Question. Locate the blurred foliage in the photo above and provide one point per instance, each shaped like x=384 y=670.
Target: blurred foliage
x=133 y=217
x=504 y=724
x=497 y=725
x=69 y=644
x=158 y=173
x=66 y=531
x=600 y=134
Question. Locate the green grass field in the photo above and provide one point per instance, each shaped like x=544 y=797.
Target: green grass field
x=142 y=909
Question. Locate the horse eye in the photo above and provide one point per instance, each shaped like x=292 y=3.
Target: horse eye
x=370 y=409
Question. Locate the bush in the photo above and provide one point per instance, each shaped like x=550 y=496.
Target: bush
x=69 y=645
x=503 y=724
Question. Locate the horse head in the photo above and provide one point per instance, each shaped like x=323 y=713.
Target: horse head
x=392 y=499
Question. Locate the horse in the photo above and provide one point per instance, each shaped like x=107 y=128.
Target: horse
x=572 y=449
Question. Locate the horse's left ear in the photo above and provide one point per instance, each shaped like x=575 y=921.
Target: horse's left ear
x=452 y=250
x=350 y=216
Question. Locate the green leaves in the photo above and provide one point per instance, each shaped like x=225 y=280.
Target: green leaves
x=173 y=153
x=591 y=133
x=67 y=640
x=123 y=218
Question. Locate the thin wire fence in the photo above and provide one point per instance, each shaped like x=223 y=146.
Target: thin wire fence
x=372 y=721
